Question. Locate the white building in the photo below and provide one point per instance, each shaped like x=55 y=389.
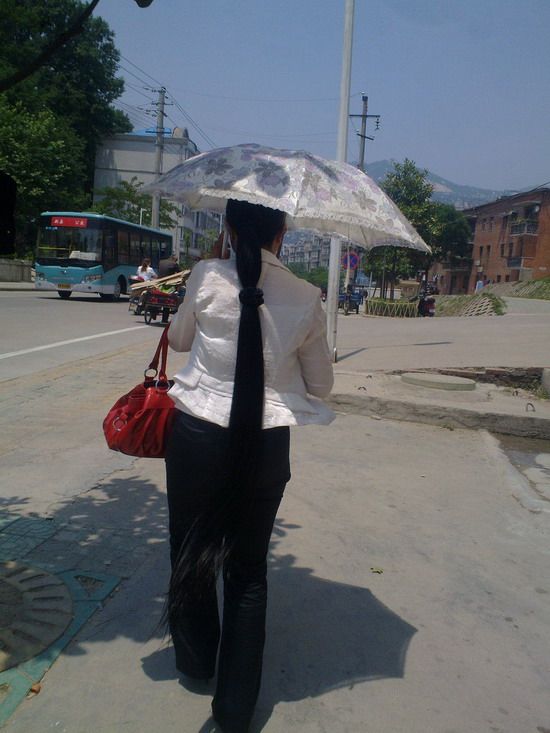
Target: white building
x=307 y=250
x=126 y=156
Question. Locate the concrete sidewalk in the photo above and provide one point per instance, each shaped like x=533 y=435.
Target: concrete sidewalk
x=407 y=593
x=409 y=563
x=489 y=407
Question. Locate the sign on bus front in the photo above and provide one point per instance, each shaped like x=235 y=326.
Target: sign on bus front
x=69 y=221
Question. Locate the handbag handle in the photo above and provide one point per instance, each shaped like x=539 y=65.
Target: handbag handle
x=160 y=354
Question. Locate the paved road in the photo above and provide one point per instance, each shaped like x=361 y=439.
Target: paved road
x=29 y=320
x=527 y=305
x=370 y=343
x=49 y=331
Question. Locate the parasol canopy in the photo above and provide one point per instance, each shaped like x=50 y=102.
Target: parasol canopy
x=323 y=195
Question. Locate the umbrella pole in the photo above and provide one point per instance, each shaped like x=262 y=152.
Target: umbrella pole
x=333 y=286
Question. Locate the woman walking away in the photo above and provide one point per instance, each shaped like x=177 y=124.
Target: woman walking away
x=145 y=271
x=259 y=360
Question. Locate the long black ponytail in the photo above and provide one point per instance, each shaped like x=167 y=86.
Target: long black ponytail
x=209 y=542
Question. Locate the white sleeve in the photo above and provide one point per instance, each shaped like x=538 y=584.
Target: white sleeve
x=182 y=328
x=314 y=356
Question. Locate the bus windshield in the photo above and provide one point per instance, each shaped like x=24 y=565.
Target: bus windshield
x=74 y=244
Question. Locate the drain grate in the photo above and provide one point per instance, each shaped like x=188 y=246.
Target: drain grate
x=35 y=609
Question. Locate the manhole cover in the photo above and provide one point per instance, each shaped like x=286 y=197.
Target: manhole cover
x=35 y=609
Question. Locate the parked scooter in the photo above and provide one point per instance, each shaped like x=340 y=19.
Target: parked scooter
x=426 y=305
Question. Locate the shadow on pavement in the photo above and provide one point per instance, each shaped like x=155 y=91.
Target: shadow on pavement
x=321 y=635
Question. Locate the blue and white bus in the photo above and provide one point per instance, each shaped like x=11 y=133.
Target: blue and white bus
x=92 y=253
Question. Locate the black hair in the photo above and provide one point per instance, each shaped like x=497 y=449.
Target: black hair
x=209 y=542
x=255 y=227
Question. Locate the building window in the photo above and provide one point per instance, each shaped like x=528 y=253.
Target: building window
x=502 y=250
x=480 y=252
x=483 y=225
x=507 y=278
x=488 y=251
x=510 y=249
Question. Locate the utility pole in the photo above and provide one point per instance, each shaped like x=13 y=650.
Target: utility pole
x=362 y=137
x=159 y=146
x=333 y=286
x=363 y=134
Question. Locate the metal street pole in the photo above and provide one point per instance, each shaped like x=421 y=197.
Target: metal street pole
x=155 y=212
x=341 y=154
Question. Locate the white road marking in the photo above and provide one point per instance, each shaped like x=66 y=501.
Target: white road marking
x=71 y=341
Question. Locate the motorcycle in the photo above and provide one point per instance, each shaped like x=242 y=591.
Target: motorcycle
x=426 y=305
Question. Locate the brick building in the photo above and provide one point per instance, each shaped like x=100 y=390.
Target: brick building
x=511 y=238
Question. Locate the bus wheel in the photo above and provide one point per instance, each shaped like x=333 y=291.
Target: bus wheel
x=64 y=294
x=115 y=295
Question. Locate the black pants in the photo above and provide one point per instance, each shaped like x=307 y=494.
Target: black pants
x=196 y=466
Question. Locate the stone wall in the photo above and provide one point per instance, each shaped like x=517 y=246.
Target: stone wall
x=15 y=271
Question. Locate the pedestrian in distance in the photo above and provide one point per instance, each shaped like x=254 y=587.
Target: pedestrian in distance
x=145 y=271
x=258 y=363
x=169 y=266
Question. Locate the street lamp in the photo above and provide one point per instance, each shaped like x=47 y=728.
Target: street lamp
x=141 y=210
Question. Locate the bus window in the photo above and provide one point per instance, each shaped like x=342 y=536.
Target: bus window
x=109 y=249
x=135 y=249
x=165 y=249
x=155 y=252
x=146 y=247
x=123 y=248
x=76 y=244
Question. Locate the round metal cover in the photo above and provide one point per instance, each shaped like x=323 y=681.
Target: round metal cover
x=35 y=609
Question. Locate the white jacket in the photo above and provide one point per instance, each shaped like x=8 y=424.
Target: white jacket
x=297 y=362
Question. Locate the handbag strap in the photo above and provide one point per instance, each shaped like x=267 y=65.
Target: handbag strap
x=161 y=354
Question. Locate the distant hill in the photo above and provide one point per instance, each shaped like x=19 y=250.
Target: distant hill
x=462 y=197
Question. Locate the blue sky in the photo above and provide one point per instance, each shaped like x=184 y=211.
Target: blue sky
x=462 y=86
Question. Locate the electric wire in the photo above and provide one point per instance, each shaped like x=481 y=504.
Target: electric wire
x=191 y=121
x=156 y=81
x=128 y=71
x=138 y=90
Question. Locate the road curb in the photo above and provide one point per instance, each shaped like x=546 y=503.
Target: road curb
x=528 y=426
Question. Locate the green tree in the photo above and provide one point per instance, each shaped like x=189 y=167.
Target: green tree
x=78 y=84
x=453 y=242
x=443 y=228
x=44 y=156
x=317 y=276
x=127 y=202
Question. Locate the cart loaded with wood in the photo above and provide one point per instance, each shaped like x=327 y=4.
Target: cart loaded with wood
x=160 y=297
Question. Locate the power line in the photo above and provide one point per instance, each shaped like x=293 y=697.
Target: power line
x=128 y=71
x=266 y=99
x=138 y=90
x=156 y=81
x=330 y=133
x=135 y=114
x=192 y=121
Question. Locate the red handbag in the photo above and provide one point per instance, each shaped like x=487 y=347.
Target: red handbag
x=139 y=423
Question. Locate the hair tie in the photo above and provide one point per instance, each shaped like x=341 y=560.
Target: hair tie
x=252 y=296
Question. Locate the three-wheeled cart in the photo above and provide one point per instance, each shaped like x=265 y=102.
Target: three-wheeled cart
x=160 y=297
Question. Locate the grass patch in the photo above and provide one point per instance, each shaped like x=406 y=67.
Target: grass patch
x=499 y=306
x=460 y=305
